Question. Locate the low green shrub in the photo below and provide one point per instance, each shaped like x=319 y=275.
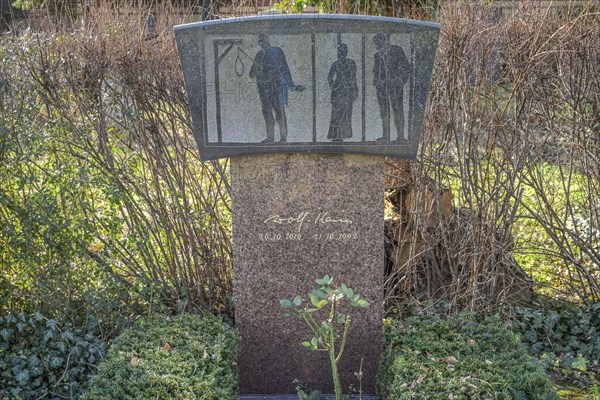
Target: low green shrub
x=566 y=338
x=182 y=357
x=41 y=358
x=458 y=358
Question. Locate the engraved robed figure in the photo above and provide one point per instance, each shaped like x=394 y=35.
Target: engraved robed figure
x=344 y=91
x=273 y=79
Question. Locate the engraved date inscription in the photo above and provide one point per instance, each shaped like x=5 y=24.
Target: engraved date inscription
x=321 y=237
x=298 y=221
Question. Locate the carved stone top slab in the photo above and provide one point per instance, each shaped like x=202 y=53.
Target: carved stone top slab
x=307 y=83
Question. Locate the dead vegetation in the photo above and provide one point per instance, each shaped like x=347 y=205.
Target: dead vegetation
x=509 y=150
x=515 y=94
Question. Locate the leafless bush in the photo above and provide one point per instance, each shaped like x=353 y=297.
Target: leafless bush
x=510 y=149
x=113 y=80
x=512 y=129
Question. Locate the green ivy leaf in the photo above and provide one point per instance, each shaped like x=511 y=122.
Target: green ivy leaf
x=68 y=335
x=580 y=364
x=6 y=333
x=22 y=377
x=51 y=324
x=48 y=335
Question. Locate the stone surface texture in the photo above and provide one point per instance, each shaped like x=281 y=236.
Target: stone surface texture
x=297 y=217
x=310 y=94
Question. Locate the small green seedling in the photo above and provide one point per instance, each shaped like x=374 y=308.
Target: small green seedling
x=328 y=331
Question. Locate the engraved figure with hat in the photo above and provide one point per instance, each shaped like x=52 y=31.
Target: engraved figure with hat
x=273 y=79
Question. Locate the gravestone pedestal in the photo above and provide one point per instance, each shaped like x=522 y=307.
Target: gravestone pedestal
x=297 y=217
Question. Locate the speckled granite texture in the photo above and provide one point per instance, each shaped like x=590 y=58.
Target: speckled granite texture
x=296 y=218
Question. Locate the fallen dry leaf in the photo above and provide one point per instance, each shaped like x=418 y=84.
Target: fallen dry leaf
x=417 y=381
x=451 y=360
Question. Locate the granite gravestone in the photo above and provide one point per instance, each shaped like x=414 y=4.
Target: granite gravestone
x=269 y=91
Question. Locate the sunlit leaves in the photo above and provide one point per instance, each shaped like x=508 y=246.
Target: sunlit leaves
x=326 y=301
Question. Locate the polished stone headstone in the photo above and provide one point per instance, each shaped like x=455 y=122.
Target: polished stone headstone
x=296 y=218
x=269 y=90
x=307 y=83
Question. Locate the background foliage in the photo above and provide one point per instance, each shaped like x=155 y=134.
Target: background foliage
x=513 y=131
x=107 y=214
x=102 y=192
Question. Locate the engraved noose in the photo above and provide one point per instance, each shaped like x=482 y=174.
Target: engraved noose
x=239 y=63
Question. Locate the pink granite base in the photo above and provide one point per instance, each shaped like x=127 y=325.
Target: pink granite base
x=296 y=218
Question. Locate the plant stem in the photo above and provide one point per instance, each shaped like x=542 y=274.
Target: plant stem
x=341 y=350
x=336 y=378
x=313 y=326
x=360 y=375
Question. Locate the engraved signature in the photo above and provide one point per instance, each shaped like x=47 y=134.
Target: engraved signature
x=322 y=218
x=281 y=220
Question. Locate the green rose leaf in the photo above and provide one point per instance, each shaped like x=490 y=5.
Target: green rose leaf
x=285 y=303
x=362 y=303
x=314 y=300
x=297 y=301
x=322 y=304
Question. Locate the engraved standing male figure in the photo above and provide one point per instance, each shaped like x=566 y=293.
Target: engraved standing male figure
x=391 y=71
x=273 y=79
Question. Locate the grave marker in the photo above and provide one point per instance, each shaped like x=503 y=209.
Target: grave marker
x=307 y=105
